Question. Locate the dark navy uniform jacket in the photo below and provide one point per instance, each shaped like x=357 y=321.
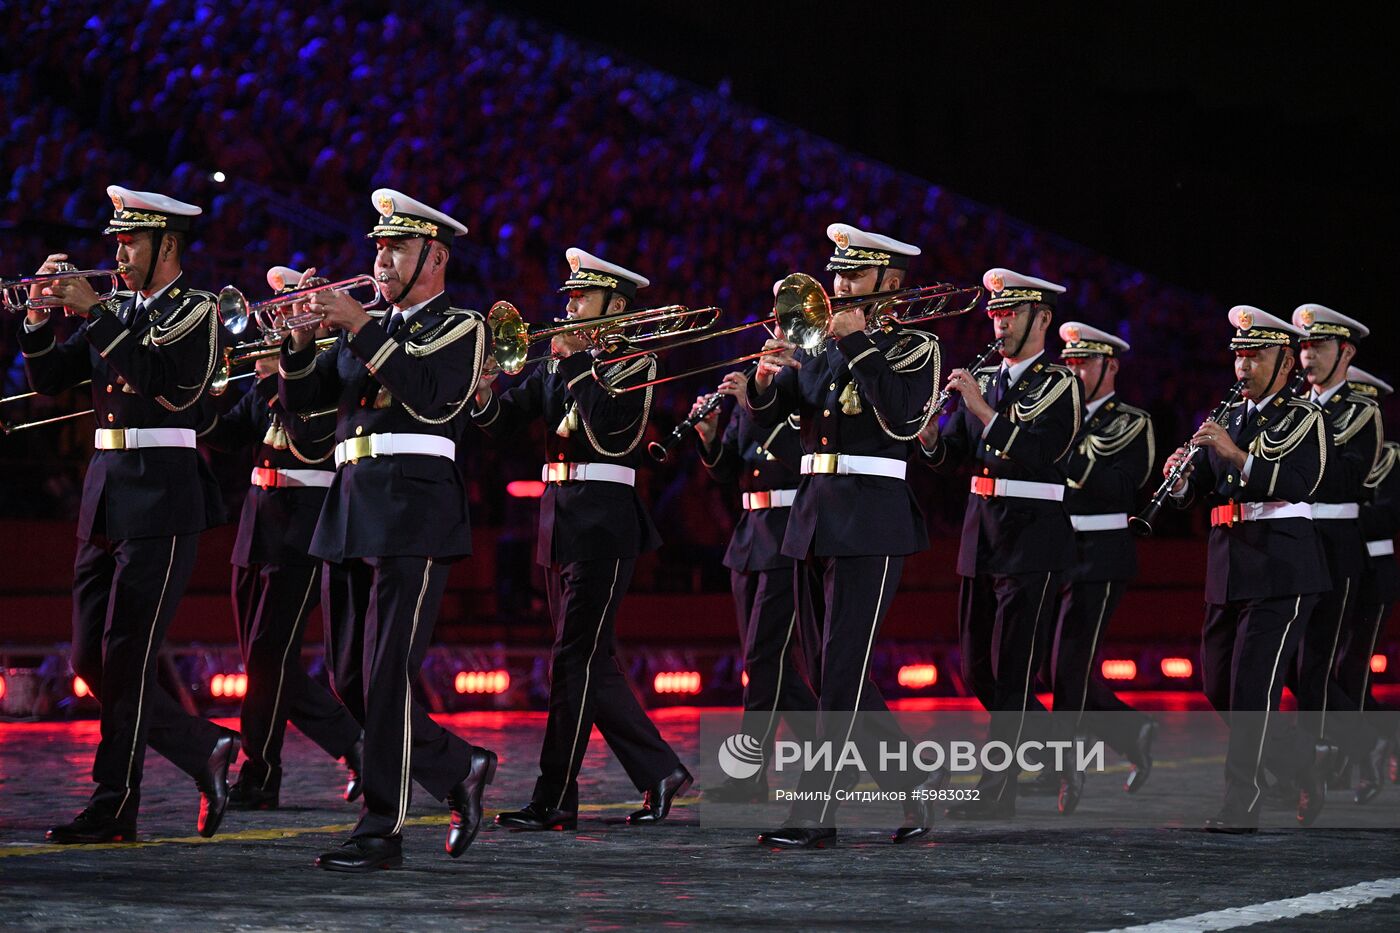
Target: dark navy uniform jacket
x=1380 y=521
x=1273 y=557
x=1111 y=459
x=757 y=460
x=148 y=374
x=896 y=377
x=1354 y=421
x=1037 y=421
x=417 y=382
x=277 y=523
x=589 y=520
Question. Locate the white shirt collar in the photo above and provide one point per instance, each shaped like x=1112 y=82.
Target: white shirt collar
x=1097 y=403
x=1325 y=397
x=1262 y=403
x=146 y=302
x=409 y=312
x=1015 y=372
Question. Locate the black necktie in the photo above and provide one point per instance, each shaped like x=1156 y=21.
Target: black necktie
x=394 y=323
x=1003 y=385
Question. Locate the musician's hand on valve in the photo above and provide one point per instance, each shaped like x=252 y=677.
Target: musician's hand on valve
x=777 y=355
x=338 y=310
x=1213 y=435
x=562 y=346
x=845 y=323
x=76 y=294
x=708 y=426
x=734 y=385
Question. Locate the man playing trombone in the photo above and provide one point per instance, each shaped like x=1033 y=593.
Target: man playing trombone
x=593 y=526
x=276 y=581
x=862 y=397
x=147 y=495
x=396 y=516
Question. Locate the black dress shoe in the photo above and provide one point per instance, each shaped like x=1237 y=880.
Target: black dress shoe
x=656 y=802
x=364 y=853
x=254 y=791
x=1141 y=758
x=465 y=801
x=213 y=783
x=1071 y=789
x=536 y=816
x=918 y=821
x=1369 y=770
x=1312 y=786
x=355 y=763
x=736 y=791
x=92 y=827
x=1233 y=823
x=798 y=837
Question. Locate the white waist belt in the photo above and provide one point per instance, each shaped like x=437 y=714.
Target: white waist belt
x=269 y=478
x=134 y=438
x=1017 y=489
x=1258 y=512
x=585 y=472
x=1110 y=522
x=387 y=445
x=850 y=465
x=769 y=499
x=1336 y=510
x=1380 y=548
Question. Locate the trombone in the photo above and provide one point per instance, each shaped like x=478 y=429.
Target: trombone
x=248 y=353
x=511 y=336
x=803 y=309
x=237 y=312
x=14 y=293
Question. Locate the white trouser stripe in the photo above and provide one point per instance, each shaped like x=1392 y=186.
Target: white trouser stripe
x=407 y=766
x=587 y=676
x=1331 y=658
x=1264 y=733
x=1366 y=667
x=778 y=690
x=293 y=638
x=860 y=690
x=1030 y=671
x=145 y=664
x=1093 y=648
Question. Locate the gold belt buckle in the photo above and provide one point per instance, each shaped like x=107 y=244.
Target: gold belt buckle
x=112 y=438
x=984 y=486
x=760 y=500
x=266 y=478
x=357 y=448
x=825 y=463
x=557 y=472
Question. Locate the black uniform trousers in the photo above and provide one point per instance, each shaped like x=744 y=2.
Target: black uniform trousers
x=1246 y=649
x=1005 y=622
x=1353 y=670
x=271 y=603
x=766 y=606
x=1082 y=696
x=1312 y=681
x=380 y=615
x=125 y=593
x=588 y=687
x=848 y=597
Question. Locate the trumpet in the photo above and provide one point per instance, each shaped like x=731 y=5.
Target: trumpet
x=1141 y=524
x=803 y=309
x=248 y=353
x=511 y=336
x=237 y=312
x=14 y=293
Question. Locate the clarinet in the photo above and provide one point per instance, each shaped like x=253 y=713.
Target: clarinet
x=1141 y=524
x=661 y=450
x=938 y=404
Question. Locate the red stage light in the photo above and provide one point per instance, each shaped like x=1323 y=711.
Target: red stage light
x=525 y=488
x=687 y=682
x=80 y=688
x=918 y=676
x=1378 y=664
x=216 y=685
x=2 y=688
x=240 y=684
x=1178 y=668
x=229 y=686
x=1119 y=669
x=492 y=682
x=744 y=679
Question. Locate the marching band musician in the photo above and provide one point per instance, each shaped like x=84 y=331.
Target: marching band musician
x=1015 y=422
x=1354 y=423
x=861 y=400
x=277 y=583
x=1112 y=456
x=593 y=526
x=1265 y=567
x=1379 y=585
x=147 y=495
x=764 y=463
x=396 y=516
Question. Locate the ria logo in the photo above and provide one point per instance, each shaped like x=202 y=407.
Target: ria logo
x=741 y=756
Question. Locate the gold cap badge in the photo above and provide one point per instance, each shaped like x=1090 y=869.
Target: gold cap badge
x=385 y=204
x=117 y=202
x=573 y=263
x=1246 y=320
x=1072 y=334
x=1307 y=317
x=997 y=282
x=843 y=239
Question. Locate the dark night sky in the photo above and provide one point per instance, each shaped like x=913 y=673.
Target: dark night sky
x=1233 y=151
